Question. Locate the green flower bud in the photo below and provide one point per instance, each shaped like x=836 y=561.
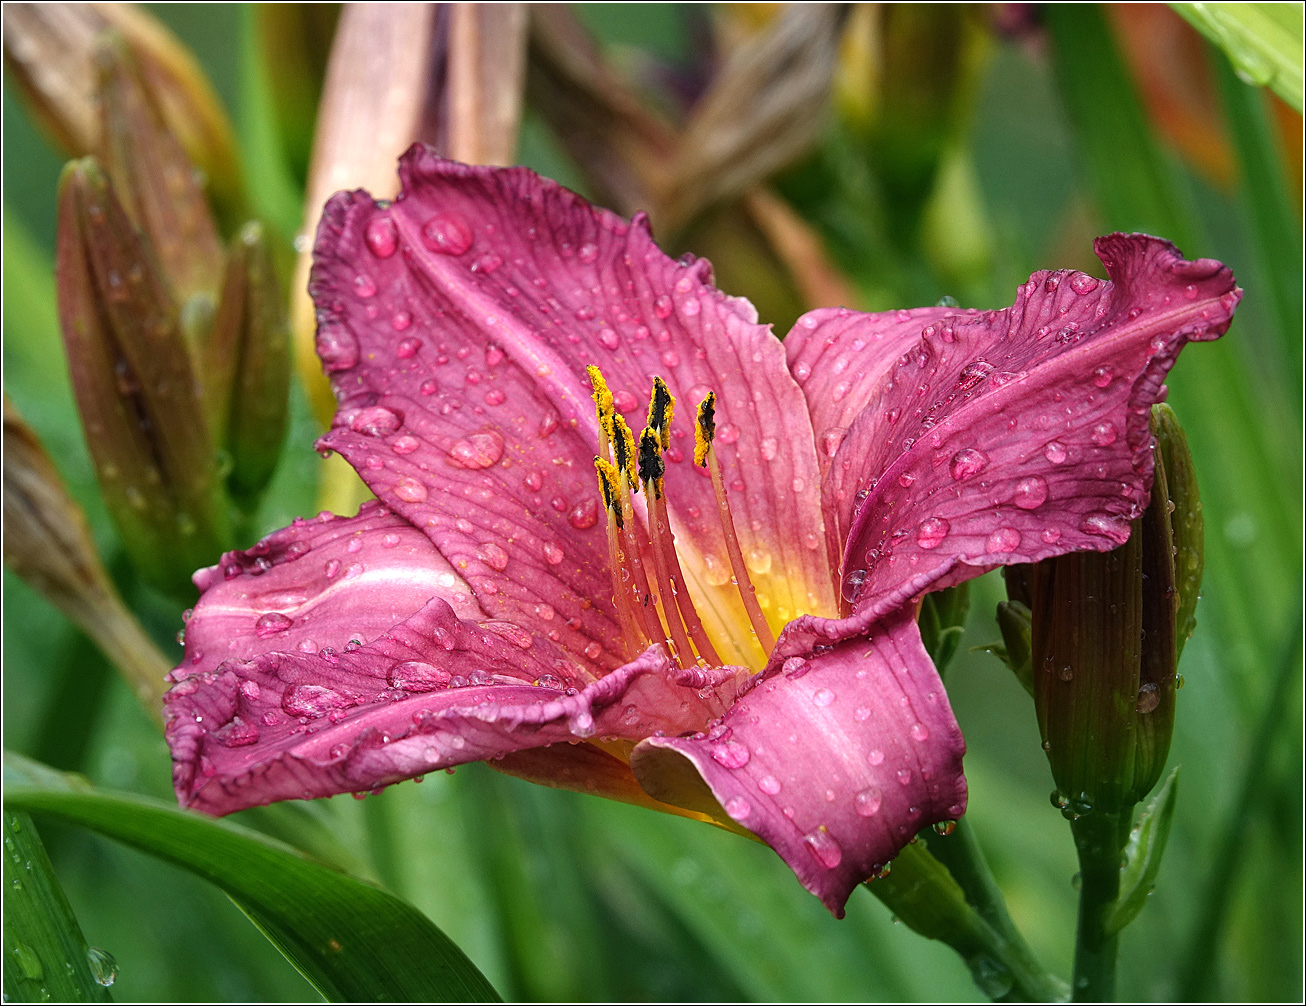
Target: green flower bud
x=49 y=51
x=154 y=179
x=1104 y=647
x=135 y=386
x=247 y=374
x=47 y=543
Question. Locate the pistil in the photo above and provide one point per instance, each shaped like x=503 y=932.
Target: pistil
x=621 y=597
x=651 y=470
x=704 y=455
x=623 y=454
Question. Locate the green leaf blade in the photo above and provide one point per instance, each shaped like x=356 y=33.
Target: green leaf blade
x=352 y=941
x=46 y=955
x=1143 y=855
x=1263 y=40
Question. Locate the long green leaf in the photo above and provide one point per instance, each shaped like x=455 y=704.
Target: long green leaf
x=1143 y=855
x=1264 y=41
x=353 y=941
x=46 y=956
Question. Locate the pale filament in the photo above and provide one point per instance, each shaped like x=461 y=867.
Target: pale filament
x=660 y=610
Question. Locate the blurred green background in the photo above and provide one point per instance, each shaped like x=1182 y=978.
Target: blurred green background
x=984 y=155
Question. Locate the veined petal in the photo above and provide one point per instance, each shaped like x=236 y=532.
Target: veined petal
x=836 y=762
x=433 y=692
x=1019 y=435
x=320 y=583
x=468 y=311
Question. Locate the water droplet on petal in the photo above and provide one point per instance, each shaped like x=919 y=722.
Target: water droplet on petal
x=852 y=584
x=382 y=237
x=1107 y=526
x=271 y=624
x=822 y=697
x=867 y=802
x=769 y=784
x=1055 y=452
x=1082 y=283
x=1004 y=539
x=1031 y=493
x=968 y=463
x=592 y=650
x=662 y=306
x=919 y=732
x=876 y=757
x=588 y=252
x=405 y=444
x=493 y=556
x=552 y=553
x=904 y=777
x=823 y=846
x=731 y=754
x=480 y=450
x=1102 y=375
x=738 y=808
x=410 y=490
x=377 y=421
x=1149 y=697
x=408 y=348
x=931 y=532
x=1104 y=434
x=447 y=233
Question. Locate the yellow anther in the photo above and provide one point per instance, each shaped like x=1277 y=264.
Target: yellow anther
x=705 y=429
x=602 y=399
x=661 y=407
x=623 y=451
x=609 y=481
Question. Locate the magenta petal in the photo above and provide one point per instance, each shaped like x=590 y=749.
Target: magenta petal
x=317 y=584
x=433 y=692
x=837 y=761
x=457 y=324
x=1016 y=435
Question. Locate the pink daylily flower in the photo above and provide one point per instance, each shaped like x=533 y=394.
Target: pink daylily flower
x=482 y=608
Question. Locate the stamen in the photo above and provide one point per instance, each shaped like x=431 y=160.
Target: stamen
x=623 y=451
x=704 y=455
x=605 y=409
x=661 y=407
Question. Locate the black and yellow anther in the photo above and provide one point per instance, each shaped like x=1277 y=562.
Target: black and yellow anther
x=661 y=407
x=651 y=466
x=609 y=489
x=705 y=429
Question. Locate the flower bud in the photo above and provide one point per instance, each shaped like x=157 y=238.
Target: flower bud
x=1104 y=650
x=135 y=386
x=49 y=51
x=48 y=544
x=247 y=376
x=154 y=179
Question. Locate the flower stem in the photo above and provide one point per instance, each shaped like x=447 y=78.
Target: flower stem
x=960 y=852
x=1100 y=839
x=927 y=898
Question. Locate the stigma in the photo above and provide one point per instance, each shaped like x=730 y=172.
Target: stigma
x=649 y=589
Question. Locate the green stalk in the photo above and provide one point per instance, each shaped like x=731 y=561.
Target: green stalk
x=922 y=893
x=1100 y=840
x=960 y=852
